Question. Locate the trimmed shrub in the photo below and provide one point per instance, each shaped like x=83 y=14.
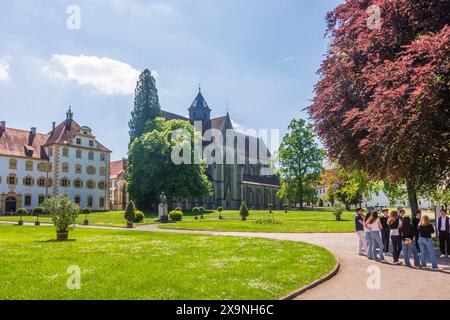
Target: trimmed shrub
x=270 y=207
x=195 y=211
x=86 y=211
x=139 y=216
x=22 y=212
x=338 y=210
x=130 y=212
x=243 y=211
x=176 y=215
x=286 y=207
x=220 y=209
x=178 y=209
x=62 y=211
x=38 y=211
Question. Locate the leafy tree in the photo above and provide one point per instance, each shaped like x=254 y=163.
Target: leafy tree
x=146 y=104
x=62 y=211
x=441 y=196
x=395 y=192
x=300 y=161
x=381 y=103
x=153 y=171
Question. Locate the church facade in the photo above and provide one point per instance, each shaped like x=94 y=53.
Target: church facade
x=241 y=180
x=68 y=160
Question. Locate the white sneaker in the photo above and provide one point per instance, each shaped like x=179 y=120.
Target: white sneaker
x=442 y=256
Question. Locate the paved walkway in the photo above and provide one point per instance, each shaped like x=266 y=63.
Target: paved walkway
x=395 y=282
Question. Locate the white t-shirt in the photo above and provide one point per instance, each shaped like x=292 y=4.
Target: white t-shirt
x=374 y=226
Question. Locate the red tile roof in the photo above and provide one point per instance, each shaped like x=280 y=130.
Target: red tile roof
x=22 y=143
x=117 y=168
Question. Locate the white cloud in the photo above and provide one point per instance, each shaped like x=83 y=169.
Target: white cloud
x=4 y=68
x=105 y=75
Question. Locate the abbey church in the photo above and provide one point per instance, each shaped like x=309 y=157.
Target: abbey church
x=245 y=180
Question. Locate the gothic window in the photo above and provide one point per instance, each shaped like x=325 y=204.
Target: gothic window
x=90 y=184
x=90 y=170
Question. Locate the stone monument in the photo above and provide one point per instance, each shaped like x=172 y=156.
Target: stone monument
x=163 y=211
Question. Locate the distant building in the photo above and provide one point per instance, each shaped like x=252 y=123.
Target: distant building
x=118 y=182
x=68 y=160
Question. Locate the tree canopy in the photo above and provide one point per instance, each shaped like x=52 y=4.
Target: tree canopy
x=153 y=171
x=146 y=104
x=300 y=162
x=382 y=103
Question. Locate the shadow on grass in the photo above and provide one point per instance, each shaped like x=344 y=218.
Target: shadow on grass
x=55 y=241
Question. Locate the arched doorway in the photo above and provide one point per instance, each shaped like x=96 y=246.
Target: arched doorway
x=124 y=197
x=11 y=204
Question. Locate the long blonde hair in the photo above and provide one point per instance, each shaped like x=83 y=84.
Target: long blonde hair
x=424 y=220
x=393 y=215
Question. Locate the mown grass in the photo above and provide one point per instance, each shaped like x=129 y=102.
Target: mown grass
x=293 y=221
x=120 y=264
x=110 y=219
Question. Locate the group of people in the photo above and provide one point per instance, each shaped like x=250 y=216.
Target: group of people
x=412 y=237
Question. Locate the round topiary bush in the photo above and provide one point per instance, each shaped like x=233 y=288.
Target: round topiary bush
x=22 y=211
x=139 y=216
x=86 y=211
x=176 y=215
x=270 y=207
x=38 y=211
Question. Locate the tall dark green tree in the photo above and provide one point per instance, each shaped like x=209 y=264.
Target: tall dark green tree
x=146 y=104
x=300 y=160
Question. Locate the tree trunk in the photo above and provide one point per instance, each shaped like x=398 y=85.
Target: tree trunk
x=412 y=198
x=300 y=194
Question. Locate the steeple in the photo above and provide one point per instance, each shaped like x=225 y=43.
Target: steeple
x=69 y=113
x=199 y=110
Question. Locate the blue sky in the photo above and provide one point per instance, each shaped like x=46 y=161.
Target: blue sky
x=258 y=56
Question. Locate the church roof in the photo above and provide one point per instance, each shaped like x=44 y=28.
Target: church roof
x=199 y=101
x=172 y=116
x=117 y=168
x=22 y=143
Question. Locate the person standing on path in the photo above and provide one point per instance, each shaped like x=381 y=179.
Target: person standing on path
x=444 y=234
x=385 y=229
x=407 y=234
x=359 y=229
x=394 y=225
x=415 y=223
x=368 y=237
x=426 y=229
x=374 y=224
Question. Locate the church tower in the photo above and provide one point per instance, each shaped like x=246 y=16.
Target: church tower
x=199 y=110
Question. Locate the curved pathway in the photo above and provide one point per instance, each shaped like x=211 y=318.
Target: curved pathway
x=386 y=281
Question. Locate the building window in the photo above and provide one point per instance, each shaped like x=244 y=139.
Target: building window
x=13 y=164
x=91 y=143
x=90 y=170
x=78 y=169
x=65 y=183
x=42 y=167
x=29 y=165
x=28 y=181
x=102 y=157
x=90 y=184
x=102 y=171
x=65 y=152
x=65 y=167
x=41 y=182
x=79 y=154
x=78 y=183
x=91 y=155
x=41 y=199
x=79 y=141
x=77 y=200
x=12 y=179
x=89 y=201
x=102 y=185
x=101 y=202
x=27 y=200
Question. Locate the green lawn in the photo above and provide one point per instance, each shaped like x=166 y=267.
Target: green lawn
x=120 y=264
x=293 y=221
x=110 y=218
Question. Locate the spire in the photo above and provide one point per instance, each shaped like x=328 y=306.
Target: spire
x=199 y=110
x=69 y=113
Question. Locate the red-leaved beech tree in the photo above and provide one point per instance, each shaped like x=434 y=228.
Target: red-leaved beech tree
x=382 y=103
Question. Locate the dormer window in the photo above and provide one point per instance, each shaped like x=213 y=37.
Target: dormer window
x=91 y=143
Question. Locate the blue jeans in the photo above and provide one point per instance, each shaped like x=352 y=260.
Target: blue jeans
x=407 y=249
x=427 y=249
x=369 y=242
x=377 y=242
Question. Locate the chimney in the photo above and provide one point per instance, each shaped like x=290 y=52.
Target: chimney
x=3 y=125
x=53 y=126
x=33 y=131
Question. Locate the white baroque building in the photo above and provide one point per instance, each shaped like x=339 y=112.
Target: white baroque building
x=68 y=160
